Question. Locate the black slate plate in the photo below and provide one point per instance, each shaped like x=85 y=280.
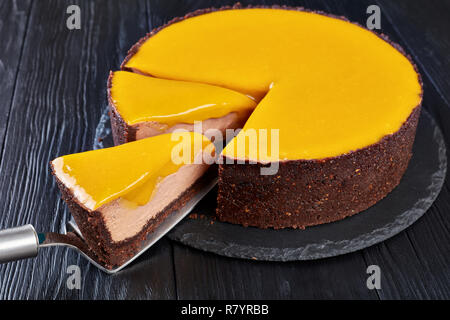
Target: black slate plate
x=418 y=189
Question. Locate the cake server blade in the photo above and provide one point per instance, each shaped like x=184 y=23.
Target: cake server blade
x=24 y=242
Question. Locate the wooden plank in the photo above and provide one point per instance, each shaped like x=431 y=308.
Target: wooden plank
x=415 y=264
x=208 y=276
x=13 y=26
x=60 y=95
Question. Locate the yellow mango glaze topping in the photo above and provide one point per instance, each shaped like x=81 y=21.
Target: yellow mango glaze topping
x=139 y=98
x=130 y=171
x=328 y=86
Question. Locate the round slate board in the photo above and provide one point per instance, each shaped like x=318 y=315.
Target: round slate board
x=416 y=192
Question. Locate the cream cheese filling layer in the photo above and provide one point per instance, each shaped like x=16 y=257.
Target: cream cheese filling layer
x=124 y=222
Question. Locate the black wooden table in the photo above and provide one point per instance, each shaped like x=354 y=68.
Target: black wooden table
x=53 y=92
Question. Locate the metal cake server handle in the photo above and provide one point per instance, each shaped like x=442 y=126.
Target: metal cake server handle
x=24 y=242
x=18 y=243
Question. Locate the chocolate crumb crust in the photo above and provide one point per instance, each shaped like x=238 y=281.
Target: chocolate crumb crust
x=311 y=192
x=92 y=225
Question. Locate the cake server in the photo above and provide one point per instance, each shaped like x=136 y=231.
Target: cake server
x=24 y=242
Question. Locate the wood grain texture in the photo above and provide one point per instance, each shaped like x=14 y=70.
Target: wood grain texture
x=13 y=25
x=60 y=95
x=207 y=276
x=55 y=91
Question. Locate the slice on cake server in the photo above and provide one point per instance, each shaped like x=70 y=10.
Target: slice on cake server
x=123 y=199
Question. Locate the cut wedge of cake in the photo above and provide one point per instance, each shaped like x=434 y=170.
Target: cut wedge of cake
x=142 y=106
x=120 y=194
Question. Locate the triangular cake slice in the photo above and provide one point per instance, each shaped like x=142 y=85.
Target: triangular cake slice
x=143 y=106
x=118 y=195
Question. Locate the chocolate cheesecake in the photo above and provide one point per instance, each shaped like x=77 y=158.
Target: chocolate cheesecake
x=331 y=106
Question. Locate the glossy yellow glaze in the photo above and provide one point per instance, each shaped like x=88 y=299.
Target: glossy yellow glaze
x=140 y=98
x=132 y=170
x=327 y=85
